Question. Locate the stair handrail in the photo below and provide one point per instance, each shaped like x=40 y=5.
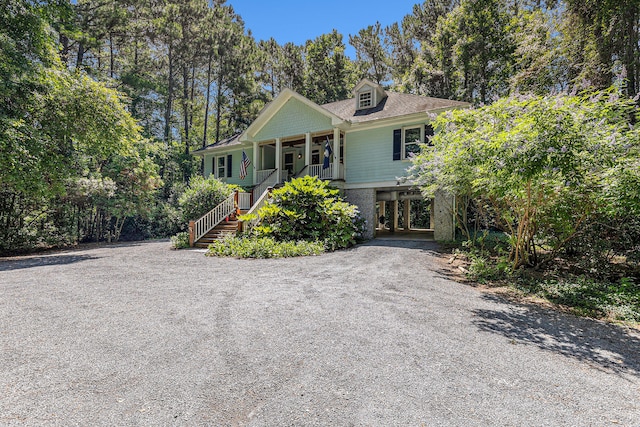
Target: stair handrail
x=259 y=189
x=208 y=221
x=248 y=225
x=302 y=171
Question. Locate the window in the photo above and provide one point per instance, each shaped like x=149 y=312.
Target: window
x=220 y=167
x=315 y=157
x=288 y=162
x=412 y=137
x=365 y=99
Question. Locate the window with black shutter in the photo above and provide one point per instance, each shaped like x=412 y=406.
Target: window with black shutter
x=397 y=144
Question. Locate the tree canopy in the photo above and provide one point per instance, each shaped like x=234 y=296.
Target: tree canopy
x=94 y=93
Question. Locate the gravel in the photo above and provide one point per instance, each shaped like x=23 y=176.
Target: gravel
x=379 y=335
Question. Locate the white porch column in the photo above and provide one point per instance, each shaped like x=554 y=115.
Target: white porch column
x=307 y=148
x=255 y=163
x=278 y=160
x=336 y=153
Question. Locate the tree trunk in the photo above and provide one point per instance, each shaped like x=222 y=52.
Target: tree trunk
x=168 y=105
x=80 y=56
x=111 y=59
x=206 y=107
x=219 y=103
x=185 y=107
x=64 y=50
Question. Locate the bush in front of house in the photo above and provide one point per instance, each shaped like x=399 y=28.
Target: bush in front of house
x=180 y=240
x=262 y=247
x=202 y=195
x=309 y=209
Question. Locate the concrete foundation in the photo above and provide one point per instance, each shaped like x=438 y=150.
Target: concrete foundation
x=443 y=211
x=365 y=200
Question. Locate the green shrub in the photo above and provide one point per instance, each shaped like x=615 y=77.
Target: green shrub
x=180 y=240
x=309 y=209
x=263 y=247
x=202 y=195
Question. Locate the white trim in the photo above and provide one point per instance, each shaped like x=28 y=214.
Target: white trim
x=362 y=98
x=378 y=184
x=224 y=165
x=420 y=140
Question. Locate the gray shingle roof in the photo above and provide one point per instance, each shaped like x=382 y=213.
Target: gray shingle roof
x=394 y=105
x=227 y=142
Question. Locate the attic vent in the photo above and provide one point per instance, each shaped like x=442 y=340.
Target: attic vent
x=365 y=99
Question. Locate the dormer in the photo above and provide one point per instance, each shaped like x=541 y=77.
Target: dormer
x=368 y=94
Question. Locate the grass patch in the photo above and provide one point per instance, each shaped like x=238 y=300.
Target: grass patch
x=263 y=247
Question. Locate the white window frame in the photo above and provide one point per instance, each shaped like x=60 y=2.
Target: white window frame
x=216 y=171
x=405 y=143
x=368 y=100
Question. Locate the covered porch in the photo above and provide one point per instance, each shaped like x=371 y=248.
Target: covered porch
x=285 y=158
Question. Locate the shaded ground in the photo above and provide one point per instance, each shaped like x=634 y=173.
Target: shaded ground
x=138 y=334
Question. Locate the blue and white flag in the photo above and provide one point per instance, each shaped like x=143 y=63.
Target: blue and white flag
x=244 y=164
x=327 y=154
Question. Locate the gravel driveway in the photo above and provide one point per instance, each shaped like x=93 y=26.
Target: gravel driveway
x=137 y=334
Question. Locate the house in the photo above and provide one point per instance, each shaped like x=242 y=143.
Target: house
x=371 y=138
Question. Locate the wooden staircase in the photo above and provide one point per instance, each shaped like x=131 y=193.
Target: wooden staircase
x=221 y=230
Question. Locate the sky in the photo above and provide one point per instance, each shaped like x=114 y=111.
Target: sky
x=299 y=21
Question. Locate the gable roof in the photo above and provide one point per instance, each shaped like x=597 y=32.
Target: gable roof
x=393 y=105
x=274 y=106
x=227 y=142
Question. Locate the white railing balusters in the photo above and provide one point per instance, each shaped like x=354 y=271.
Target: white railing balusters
x=263 y=174
x=269 y=180
x=317 y=170
x=244 y=201
x=214 y=217
x=248 y=225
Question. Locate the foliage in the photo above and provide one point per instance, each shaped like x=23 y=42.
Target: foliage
x=263 y=247
x=615 y=298
x=546 y=166
x=308 y=209
x=180 y=240
x=329 y=74
x=586 y=296
x=202 y=195
x=73 y=165
x=371 y=57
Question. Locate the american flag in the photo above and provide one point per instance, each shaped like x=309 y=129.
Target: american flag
x=244 y=164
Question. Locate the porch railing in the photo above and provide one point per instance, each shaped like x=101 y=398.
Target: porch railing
x=303 y=172
x=263 y=174
x=317 y=170
x=248 y=225
x=268 y=180
x=244 y=201
x=208 y=221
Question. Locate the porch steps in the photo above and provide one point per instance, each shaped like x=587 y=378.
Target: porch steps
x=218 y=232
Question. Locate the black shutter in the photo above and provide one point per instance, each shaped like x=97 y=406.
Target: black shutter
x=214 y=165
x=229 y=169
x=397 y=144
x=428 y=133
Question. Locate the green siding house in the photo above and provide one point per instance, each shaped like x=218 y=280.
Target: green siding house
x=371 y=138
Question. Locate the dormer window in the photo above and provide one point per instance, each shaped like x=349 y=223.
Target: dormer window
x=365 y=99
